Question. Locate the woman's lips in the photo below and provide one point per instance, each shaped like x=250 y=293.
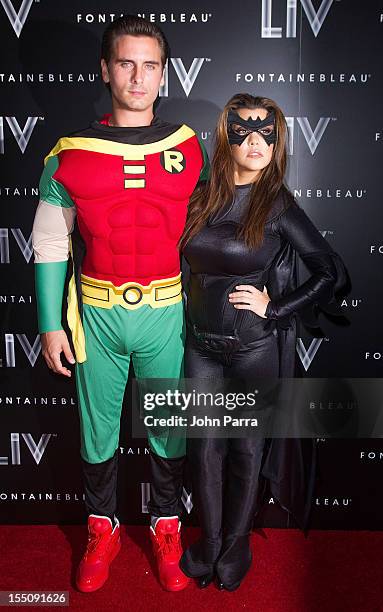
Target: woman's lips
x=255 y=154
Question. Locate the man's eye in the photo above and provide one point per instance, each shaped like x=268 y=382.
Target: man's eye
x=126 y=64
x=150 y=67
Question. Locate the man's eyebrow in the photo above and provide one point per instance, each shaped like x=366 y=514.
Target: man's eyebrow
x=123 y=59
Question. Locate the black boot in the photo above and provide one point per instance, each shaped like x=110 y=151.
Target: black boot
x=204 y=581
x=206 y=457
x=244 y=464
x=234 y=562
x=199 y=559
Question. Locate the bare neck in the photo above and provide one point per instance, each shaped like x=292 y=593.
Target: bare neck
x=129 y=118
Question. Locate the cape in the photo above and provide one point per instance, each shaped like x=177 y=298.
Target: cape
x=290 y=463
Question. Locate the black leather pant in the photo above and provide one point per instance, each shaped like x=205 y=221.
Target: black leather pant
x=225 y=471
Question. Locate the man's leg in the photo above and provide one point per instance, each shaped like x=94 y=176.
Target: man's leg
x=159 y=354
x=101 y=382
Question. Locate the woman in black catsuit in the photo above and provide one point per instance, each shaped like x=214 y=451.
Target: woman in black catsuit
x=241 y=235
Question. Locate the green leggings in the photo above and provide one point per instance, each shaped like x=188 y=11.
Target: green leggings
x=154 y=338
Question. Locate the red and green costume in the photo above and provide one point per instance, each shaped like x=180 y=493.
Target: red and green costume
x=125 y=191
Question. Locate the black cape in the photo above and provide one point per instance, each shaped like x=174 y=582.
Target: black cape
x=290 y=463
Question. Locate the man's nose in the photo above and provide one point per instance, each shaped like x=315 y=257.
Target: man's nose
x=137 y=74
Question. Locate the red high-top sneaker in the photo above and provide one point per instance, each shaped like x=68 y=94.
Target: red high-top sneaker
x=166 y=540
x=103 y=545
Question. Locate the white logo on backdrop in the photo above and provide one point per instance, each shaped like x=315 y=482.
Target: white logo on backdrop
x=371 y=455
x=17 y=19
x=187 y=78
x=32 y=351
x=25 y=245
x=22 y=135
x=307 y=356
x=329 y=193
x=19 y=191
x=333 y=501
x=15 y=299
x=145 y=498
x=152 y=17
x=329 y=78
x=315 y=18
x=37 y=450
x=312 y=136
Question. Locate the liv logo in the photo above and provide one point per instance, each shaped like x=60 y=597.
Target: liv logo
x=36 y=449
x=24 y=244
x=145 y=498
x=17 y=19
x=32 y=351
x=307 y=356
x=315 y=18
x=187 y=78
x=21 y=135
x=312 y=135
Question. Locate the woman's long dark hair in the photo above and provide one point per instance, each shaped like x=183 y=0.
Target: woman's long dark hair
x=220 y=188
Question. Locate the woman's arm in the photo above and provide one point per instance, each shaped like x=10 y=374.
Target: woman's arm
x=295 y=227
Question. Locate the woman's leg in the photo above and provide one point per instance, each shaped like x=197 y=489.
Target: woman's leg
x=243 y=468
x=257 y=360
x=206 y=457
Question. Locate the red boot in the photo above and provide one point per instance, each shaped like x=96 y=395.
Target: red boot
x=166 y=539
x=103 y=545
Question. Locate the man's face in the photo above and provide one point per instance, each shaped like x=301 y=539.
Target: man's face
x=134 y=72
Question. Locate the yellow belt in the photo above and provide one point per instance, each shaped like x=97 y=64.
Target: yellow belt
x=157 y=294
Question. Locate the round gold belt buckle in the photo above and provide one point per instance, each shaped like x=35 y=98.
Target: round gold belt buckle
x=132 y=295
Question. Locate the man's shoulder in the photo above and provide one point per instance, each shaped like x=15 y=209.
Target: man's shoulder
x=167 y=128
x=164 y=129
x=159 y=134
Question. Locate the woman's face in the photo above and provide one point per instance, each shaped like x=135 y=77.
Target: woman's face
x=254 y=153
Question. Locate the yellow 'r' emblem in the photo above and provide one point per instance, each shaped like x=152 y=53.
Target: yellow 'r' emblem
x=173 y=161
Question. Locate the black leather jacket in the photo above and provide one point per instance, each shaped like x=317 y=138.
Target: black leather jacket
x=219 y=261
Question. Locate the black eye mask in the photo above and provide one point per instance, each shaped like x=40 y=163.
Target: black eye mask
x=238 y=129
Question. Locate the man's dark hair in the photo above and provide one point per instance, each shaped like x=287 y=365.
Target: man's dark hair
x=133 y=26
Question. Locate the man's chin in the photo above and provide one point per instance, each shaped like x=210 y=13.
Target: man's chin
x=138 y=105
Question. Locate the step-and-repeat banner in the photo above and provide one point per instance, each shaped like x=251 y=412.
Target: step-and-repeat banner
x=321 y=61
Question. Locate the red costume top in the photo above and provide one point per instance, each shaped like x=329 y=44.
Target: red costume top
x=130 y=188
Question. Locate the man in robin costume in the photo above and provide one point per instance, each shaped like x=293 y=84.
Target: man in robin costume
x=124 y=184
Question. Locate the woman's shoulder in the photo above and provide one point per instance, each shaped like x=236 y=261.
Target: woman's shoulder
x=283 y=203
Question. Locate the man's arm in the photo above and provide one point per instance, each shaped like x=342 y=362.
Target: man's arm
x=53 y=223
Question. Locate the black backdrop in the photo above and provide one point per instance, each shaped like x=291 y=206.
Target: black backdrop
x=320 y=61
